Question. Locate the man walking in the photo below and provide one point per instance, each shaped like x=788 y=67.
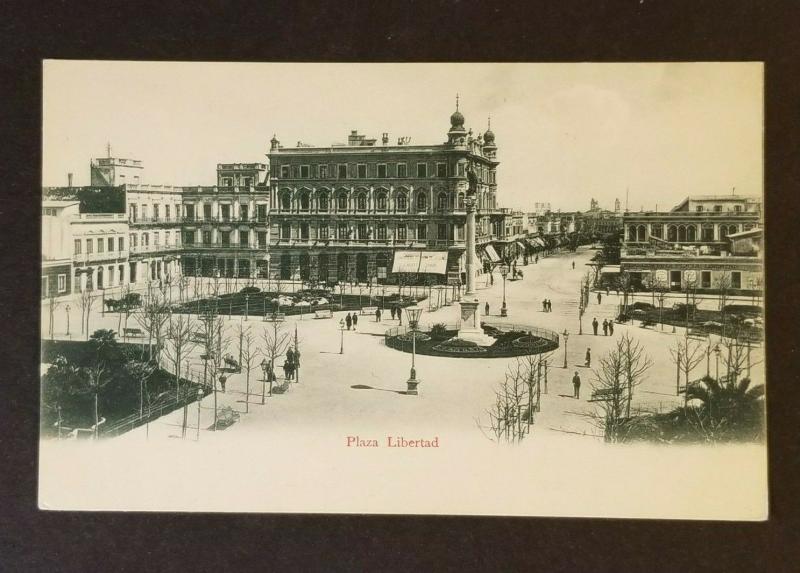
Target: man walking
x=222 y=381
x=491 y=279
x=377 y=315
x=599 y=297
x=400 y=315
x=594 y=325
x=544 y=305
x=573 y=265
x=576 y=386
x=549 y=305
x=355 y=320
x=605 y=327
x=588 y=358
x=348 y=320
x=391 y=310
x=611 y=327
x=486 y=309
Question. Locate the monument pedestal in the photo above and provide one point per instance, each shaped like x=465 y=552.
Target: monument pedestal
x=470 y=329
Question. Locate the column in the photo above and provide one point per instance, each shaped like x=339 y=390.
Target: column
x=470 y=258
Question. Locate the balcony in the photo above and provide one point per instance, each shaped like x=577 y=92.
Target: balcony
x=224 y=220
x=221 y=247
x=107 y=256
x=151 y=221
x=154 y=249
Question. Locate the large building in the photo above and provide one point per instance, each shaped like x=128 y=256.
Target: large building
x=705 y=242
x=347 y=212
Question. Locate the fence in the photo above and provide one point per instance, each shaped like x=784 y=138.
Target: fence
x=187 y=395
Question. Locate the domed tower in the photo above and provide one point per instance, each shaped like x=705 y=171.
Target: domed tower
x=489 y=147
x=457 y=132
x=274 y=143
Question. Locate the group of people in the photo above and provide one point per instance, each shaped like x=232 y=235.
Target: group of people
x=351 y=320
x=291 y=364
x=608 y=326
x=397 y=313
x=547 y=305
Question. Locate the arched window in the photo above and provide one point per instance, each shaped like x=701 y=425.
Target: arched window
x=441 y=200
x=733 y=229
x=322 y=200
x=422 y=201
x=723 y=232
x=461 y=201
x=691 y=233
x=381 y=202
x=341 y=202
x=286 y=201
x=305 y=201
x=642 y=233
x=681 y=234
x=361 y=202
x=632 y=233
x=657 y=231
x=672 y=233
x=402 y=202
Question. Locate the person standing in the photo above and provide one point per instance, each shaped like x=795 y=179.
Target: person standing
x=286 y=369
x=348 y=320
x=573 y=265
x=549 y=305
x=400 y=315
x=605 y=327
x=576 y=386
x=594 y=325
x=588 y=358
x=544 y=305
x=486 y=309
x=222 y=380
x=491 y=279
x=611 y=327
x=599 y=297
x=355 y=320
x=377 y=315
x=393 y=310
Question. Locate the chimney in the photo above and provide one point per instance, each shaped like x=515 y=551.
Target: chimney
x=385 y=139
x=69 y=179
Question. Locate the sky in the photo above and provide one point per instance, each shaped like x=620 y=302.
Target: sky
x=565 y=133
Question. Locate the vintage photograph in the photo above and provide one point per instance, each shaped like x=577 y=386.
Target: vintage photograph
x=459 y=289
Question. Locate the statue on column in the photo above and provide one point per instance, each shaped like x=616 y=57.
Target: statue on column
x=472 y=177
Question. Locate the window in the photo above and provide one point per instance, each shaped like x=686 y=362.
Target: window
x=441 y=231
x=286 y=201
x=381 y=202
x=422 y=169
x=736 y=279
x=77 y=246
x=657 y=231
x=286 y=231
x=261 y=212
x=361 y=202
x=441 y=170
x=155 y=211
x=111 y=244
x=361 y=171
x=422 y=201
x=362 y=232
x=243 y=214
x=244 y=238
x=144 y=212
x=402 y=232
x=717 y=208
x=322 y=201
x=381 y=232
x=134 y=240
x=156 y=238
x=285 y=172
x=382 y=171
x=45 y=282
x=737 y=208
x=100 y=245
x=188 y=237
x=167 y=212
x=422 y=232
x=323 y=232
x=62 y=283
x=707 y=233
x=402 y=202
x=167 y=237
x=305 y=171
x=341 y=202
x=441 y=201
x=207 y=211
x=402 y=170
x=341 y=171
x=699 y=208
x=190 y=212
x=322 y=170
x=226 y=212
x=206 y=237
x=705 y=279
x=304 y=230
x=342 y=232
x=305 y=201
x=262 y=239
x=225 y=238
x=462 y=169
x=247 y=181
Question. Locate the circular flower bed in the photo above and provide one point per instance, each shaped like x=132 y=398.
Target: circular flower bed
x=443 y=342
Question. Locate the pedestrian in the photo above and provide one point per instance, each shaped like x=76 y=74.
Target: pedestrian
x=599 y=297
x=486 y=309
x=611 y=327
x=491 y=279
x=594 y=325
x=573 y=264
x=355 y=320
x=536 y=260
x=285 y=369
x=588 y=358
x=377 y=315
x=392 y=310
x=544 y=305
x=549 y=305
x=400 y=315
x=222 y=381
x=576 y=386
x=348 y=320
x=290 y=355
x=606 y=291
x=605 y=327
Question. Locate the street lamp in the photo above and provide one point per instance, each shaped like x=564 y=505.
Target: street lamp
x=504 y=273
x=414 y=313
x=716 y=352
x=199 y=399
x=565 y=334
x=580 y=316
x=265 y=370
x=67 y=320
x=341 y=330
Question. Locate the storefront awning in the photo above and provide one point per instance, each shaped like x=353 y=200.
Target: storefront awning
x=491 y=253
x=432 y=262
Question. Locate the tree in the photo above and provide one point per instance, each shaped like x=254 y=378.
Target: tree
x=735 y=354
x=85 y=303
x=276 y=342
x=249 y=359
x=623 y=284
x=686 y=354
x=152 y=315
x=216 y=344
x=729 y=410
x=53 y=304
x=183 y=287
x=96 y=379
x=507 y=421
x=179 y=336
x=723 y=286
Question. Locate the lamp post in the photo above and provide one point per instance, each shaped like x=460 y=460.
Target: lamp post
x=67 y=308
x=504 y=273
x=565 y=334
x=246 y=305
x=580 y=316
x=199 y=399
x=341 y=331
x=716 y=352
x=265 y=371
x=414 y=313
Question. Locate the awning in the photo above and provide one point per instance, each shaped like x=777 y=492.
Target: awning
x=491 y=253
x=432 y=262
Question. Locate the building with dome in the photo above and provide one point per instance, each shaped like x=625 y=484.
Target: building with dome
x=368 y=211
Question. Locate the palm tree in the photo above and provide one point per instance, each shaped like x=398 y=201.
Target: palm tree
x=729 y=409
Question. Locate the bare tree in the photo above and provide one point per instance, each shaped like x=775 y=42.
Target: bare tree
x=85 y=303
x=736 y=355
x=511 y=415
x=623 y=284
x=152 y=316
x=180 y=338
x=249 y=359
x=276 y=342
x=216 y=343
x=97 y=379
x=635 y=362
x=686 y=355
x=183 y=287
x=723 y=285
x=53 y=304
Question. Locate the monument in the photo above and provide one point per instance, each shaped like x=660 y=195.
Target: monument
x=470 y=328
